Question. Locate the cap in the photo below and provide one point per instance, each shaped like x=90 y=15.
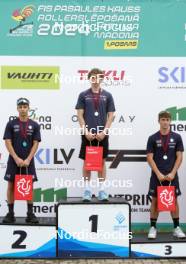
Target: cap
x=22 y=101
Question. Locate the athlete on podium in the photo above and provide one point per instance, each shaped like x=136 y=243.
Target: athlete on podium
x=22 y=136
x=164 y=155
x=95 y=110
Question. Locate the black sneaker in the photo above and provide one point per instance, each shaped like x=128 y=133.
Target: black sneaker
x=9 y=218
x=31 y=218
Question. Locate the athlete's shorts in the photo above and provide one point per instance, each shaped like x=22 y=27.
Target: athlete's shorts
x=154 y=183
x=85 y=142
x=12 y=170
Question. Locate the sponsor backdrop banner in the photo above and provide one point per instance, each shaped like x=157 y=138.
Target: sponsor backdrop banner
x=47 y=49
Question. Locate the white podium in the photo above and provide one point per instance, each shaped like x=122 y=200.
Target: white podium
x=164 y=246
x=22 y=240
x=93 y=229
x=85 y=230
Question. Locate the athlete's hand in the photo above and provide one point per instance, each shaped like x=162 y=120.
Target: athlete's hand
x=19 y=162
x=100 y=136
x=90 y=136
x=161 y=177
x=170 y=177
x=26 y=162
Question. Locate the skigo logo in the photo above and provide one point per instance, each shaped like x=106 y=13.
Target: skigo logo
x=23 y=28
x=172 y=77
x=167 y=197
x=24 y=186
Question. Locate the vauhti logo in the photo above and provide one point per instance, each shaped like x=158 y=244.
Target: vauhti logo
x=30 y=77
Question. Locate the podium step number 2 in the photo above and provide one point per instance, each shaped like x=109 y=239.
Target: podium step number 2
x=21 y=241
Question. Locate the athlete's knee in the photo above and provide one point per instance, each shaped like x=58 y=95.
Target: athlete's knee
x=154 y=202
x=10 y=186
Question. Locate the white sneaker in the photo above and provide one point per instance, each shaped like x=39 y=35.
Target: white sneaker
x=152 y=233
x=178 y=233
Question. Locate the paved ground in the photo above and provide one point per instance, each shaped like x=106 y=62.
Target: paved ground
x=150 y=261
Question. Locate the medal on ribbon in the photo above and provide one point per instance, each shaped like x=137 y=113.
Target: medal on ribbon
x=96 y=100
x=165 y=145
x=23 y=132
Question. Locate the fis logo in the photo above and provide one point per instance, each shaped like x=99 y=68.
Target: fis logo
x=21 y=15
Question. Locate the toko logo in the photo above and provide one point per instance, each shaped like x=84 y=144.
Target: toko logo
x=120 y=218
x=176 y=74
x=24 y=187
x=167 y=197
x=116 y=75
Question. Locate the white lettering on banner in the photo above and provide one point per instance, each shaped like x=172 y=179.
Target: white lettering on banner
x=76 y=22
x=58 y=28
x=89 y=9
x=118 y=35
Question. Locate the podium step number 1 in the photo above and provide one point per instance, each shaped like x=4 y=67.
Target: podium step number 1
x=93 y=231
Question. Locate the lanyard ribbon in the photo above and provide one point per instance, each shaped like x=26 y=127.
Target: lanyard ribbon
x=96 y=99
x=22 y=130
x=165 y=144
